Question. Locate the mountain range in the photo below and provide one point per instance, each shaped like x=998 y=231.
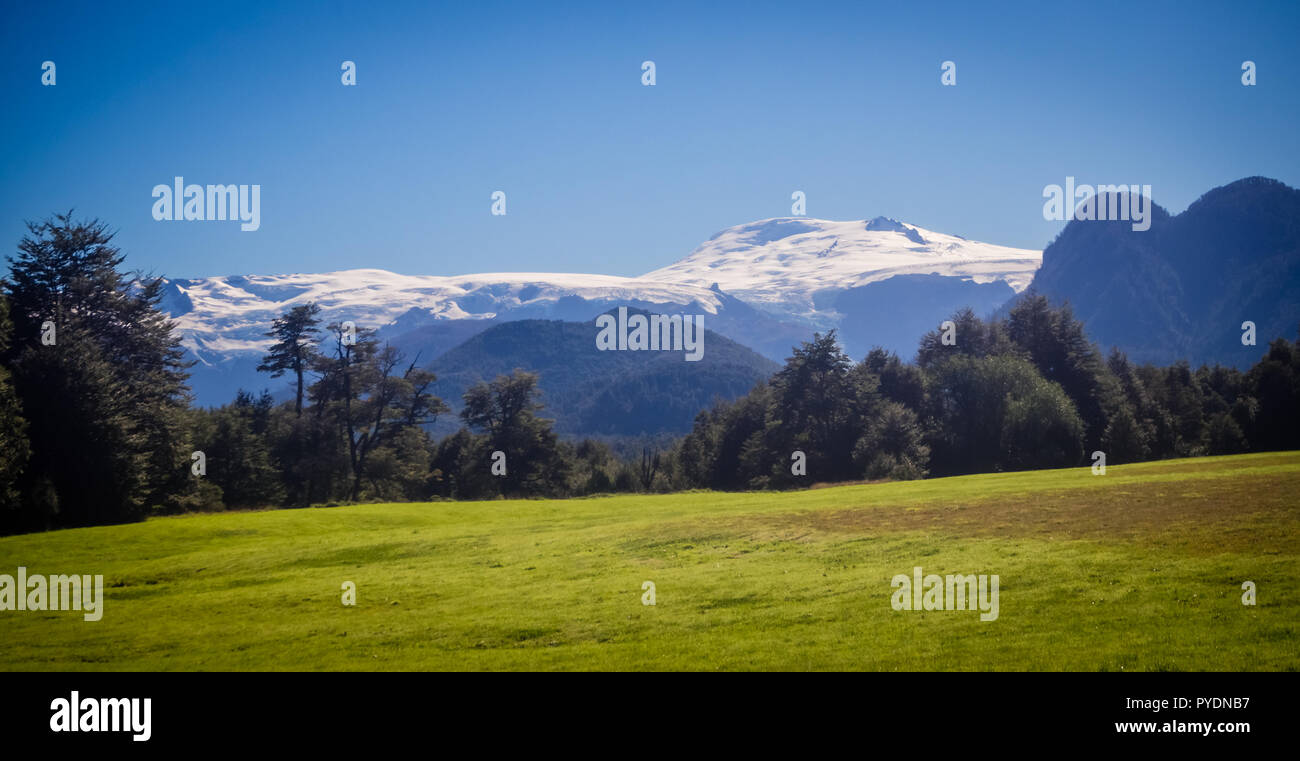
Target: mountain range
x=767 y=285
x=1177 y=291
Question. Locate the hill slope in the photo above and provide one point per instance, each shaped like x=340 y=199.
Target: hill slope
x=606 y=393
x=1182 y=289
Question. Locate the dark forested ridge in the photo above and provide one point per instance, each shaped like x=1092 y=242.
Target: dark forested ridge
x=603 y=393
x=96 y=424
x=1181 y=290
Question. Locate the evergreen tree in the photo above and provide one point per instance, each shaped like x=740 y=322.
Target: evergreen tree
x=458 y=467
x=101 y=376
x=294 y=348
x=312 y=455
x=506 y=411
x=1276 y=383
x=893 y=445
x=1056 y=343
x=997 y=413
x=818 y=400
x=899 y=382
x=238 y=453
x=13 y=437
x=1125 y=439
x=971 y=337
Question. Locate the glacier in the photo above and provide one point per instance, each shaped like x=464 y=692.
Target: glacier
x=766 y=284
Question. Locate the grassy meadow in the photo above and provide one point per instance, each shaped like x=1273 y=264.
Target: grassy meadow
x=1138 y=569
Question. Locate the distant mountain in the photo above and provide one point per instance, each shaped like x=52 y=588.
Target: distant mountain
x=767 y=285
x=603 y=393
x=1182 y=289
x=878 y=281
x=223 y=320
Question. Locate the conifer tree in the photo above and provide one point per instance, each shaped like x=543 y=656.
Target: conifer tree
x=101 y=376
x=294 y=349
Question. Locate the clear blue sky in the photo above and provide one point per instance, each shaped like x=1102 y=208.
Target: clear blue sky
x=545 y=102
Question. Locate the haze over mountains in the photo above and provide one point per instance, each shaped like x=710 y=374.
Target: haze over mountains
x=1179 y=290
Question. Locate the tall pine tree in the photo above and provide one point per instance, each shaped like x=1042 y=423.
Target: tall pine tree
x=101 y=376
x=294 y=349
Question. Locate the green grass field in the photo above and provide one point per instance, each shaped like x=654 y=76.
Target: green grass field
x=1139 y=569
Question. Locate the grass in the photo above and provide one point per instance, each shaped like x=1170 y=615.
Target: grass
x=1139 y=569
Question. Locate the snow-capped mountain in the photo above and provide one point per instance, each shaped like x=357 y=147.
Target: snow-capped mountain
x=767 y=285
x=220 y=316
x=798 y=267
x=223 y=321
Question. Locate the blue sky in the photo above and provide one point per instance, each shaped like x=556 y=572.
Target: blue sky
x=544 y=101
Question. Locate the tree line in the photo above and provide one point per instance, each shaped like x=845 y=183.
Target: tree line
x=1026 y=392
x=97 y=426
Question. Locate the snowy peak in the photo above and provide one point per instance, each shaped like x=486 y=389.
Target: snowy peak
x=887 y=224
x=219 y=316
x=780 y=264
x=765 y=284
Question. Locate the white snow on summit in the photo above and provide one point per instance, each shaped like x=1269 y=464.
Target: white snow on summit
x=779 y=264
x=221 y=316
